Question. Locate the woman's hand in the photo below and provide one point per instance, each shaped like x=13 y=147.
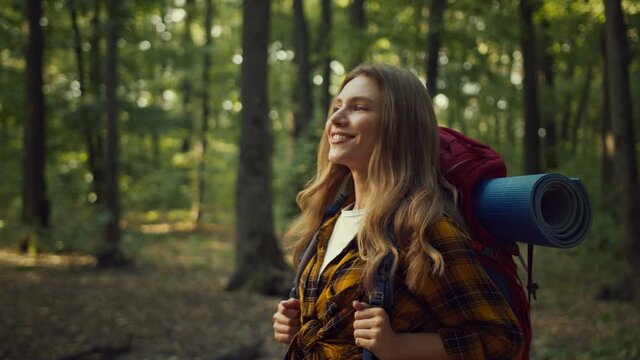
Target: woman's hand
x=286 y=321
x=372 y=330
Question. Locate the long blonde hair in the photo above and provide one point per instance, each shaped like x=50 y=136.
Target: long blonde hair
x=405 y=186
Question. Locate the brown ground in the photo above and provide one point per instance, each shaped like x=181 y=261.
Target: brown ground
x=171 y=305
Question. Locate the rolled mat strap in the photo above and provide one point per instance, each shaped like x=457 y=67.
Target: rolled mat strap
x=543 y=209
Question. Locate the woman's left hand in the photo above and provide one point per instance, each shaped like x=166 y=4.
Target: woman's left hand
x=372 y=330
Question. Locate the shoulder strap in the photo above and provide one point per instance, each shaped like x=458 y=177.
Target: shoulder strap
x=382 y=294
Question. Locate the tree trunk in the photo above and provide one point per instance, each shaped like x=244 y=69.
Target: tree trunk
x=434 y=40
x=549 y=96
x=187 y=87
x=566 y=114
x=111 y=254
x=303 y=108
x=359 y=23
x=258 y=259
x=581 y=111
x=95 y=138
x=607 y=150
x=531 y=112
x=35 y=208
x=204 y=128
x=324 y=48
x=91 y=136
x=621 y=113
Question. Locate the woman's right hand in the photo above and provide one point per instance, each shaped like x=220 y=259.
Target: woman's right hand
x=286 y=321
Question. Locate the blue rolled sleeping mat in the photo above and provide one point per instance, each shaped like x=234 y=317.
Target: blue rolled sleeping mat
x=543 y=209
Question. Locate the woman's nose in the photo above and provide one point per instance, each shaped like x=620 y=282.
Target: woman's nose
x=338 y=118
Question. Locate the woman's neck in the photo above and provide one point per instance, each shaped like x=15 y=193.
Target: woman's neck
x=361 y=187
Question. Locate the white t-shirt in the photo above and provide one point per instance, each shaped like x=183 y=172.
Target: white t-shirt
x=344 y=231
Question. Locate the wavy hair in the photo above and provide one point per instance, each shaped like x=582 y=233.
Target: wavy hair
x=407 y=193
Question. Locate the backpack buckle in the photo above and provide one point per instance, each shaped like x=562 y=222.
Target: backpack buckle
x=376 y=298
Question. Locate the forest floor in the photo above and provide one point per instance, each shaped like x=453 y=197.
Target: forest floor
x=171 y=305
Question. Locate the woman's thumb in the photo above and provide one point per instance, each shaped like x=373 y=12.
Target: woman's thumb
x=359 y=306
x=291 y=303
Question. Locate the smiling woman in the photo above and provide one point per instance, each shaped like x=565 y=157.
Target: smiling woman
x=379 y=201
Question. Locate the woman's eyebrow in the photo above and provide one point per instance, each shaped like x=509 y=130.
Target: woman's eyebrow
x=352 y=99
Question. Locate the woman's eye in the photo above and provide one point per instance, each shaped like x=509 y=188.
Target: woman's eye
x=334 y=109
x=359 y=108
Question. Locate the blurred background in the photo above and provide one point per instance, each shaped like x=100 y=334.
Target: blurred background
x=151 y=151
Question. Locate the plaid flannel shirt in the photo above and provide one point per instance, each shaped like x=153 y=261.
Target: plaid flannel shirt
x=463 y=305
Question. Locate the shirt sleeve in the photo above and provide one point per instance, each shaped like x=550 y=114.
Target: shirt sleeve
x=477 y=321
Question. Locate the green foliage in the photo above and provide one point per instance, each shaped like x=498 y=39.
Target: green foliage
x=479 y=91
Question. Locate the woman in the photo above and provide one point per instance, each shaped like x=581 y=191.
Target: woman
x=378 y=163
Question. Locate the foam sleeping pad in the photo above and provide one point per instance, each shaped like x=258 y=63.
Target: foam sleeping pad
x=543 y=209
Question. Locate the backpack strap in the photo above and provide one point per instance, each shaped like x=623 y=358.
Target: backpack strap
x=382 y=294
x=532 y=286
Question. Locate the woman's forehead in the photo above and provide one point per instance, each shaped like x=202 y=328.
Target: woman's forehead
x=362 y=87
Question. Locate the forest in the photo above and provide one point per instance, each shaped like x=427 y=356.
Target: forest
x=151 y=152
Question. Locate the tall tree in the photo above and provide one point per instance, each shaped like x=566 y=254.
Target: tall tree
x=111 y=253
x=258 y=258
x=95 y=137
x=204 y=128
x=359 y=23
x=434 y=41
x=187 y=86
x=583 y=108
x=607 y=150
x=324 y=49
x=549 y=96
x=303 y=110
x=531 y=111
x=621 y=112
x=92 y=137
x=565 y=123
x=35 y=208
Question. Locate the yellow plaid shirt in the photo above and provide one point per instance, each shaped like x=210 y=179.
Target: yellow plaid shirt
x=463 y=305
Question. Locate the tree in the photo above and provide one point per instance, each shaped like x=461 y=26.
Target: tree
x=324 y=49
x=204 y=129
x=434 y=39
x=621 y=113
x=187 y=87
x=549 y=96
x=111 y=254
x=359 y=22
x=93 y=139
x=35 y=206
x=303 y=110
x=258 y=258
x=531 y=112
x=607 y=150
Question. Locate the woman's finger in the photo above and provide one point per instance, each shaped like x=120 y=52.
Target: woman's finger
x=284 y=329
x=364 y=343
x=289 y=311
x=283 y=319
x=359 y=305
x=369 y=323
x=290 y=304
x=282 y=338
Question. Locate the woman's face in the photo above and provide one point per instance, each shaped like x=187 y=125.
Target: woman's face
x=352 y=129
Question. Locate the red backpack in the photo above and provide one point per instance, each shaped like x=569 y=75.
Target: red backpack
x=465 y=163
